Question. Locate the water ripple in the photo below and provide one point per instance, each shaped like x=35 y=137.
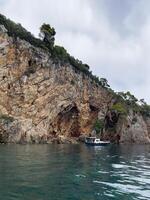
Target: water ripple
x=74 y=172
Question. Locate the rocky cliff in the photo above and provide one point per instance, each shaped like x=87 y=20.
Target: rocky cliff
x=44 y=102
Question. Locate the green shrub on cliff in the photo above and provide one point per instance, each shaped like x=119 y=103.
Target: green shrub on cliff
x=129 y=101
x=60 y=53
x=120 y=108
x=145 y=108
x=98 y=126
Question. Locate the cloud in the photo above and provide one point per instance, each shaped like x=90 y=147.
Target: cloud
x=112 y=36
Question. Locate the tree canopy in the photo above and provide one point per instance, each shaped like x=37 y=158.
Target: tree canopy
x=47 y=33
x=104 y=82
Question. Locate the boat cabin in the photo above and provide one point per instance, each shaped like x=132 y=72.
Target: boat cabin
x=92 y=140
x=95 y=141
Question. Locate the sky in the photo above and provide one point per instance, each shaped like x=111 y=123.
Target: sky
x=112 y=36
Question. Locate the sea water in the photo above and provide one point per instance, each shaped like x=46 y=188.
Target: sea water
x=74 y=172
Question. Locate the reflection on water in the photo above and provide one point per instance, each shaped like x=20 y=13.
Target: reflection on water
x=74 y=172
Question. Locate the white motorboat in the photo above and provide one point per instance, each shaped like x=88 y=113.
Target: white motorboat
x=93 y=141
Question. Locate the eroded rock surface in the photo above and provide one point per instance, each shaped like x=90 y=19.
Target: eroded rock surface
x=46 y=101
x=43 y=102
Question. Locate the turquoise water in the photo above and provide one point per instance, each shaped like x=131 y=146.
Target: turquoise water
x=74 y=172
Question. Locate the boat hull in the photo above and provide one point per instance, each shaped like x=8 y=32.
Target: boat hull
x=97 y=144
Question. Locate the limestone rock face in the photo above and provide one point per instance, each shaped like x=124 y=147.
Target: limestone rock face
x=134 y=129
x=43 y=102
x=147 y=120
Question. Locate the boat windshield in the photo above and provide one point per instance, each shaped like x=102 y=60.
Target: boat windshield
x=90 y=139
